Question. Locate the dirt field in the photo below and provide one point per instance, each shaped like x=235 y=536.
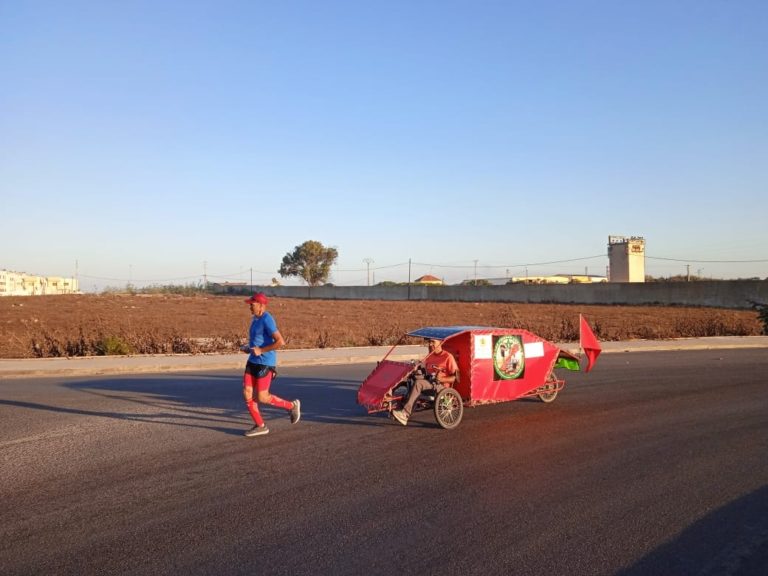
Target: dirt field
x=87 y=325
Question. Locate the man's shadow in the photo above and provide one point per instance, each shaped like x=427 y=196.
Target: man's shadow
x=211 y=401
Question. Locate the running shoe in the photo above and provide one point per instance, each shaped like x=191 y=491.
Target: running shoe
x=257 y=431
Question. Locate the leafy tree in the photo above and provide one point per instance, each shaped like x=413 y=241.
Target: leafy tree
x=310 y=261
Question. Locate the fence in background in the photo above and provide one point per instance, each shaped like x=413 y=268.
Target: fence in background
x=718 y=294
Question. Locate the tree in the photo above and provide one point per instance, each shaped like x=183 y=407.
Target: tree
x=310 y=261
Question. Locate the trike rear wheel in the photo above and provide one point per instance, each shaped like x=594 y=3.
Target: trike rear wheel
x=546 y=396
x=449 y=408
x=548 y=392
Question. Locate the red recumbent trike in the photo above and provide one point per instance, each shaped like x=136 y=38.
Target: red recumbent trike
x=495 y=365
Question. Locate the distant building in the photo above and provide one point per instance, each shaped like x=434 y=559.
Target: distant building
x=626 y=259
x=429 y=280
x=23 y=284
x=558 y=279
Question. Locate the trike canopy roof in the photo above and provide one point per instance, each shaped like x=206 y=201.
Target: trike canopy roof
x=443 y=332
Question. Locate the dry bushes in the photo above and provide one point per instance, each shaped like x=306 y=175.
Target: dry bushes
x=54 y=344
x=169 y=324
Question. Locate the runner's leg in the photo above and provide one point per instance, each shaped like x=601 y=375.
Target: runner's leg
x=248 y=385
x=262 y=385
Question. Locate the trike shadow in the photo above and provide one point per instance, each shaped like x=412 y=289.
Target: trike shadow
x=323 y=400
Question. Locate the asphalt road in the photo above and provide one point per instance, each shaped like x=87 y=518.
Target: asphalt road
x=654 y=463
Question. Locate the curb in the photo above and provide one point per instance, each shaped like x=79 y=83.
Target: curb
x=104 y=365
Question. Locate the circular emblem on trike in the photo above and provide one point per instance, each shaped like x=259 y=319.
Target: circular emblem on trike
x=508 y=357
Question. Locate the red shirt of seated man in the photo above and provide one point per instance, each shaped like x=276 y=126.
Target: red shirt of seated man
x=439 y=363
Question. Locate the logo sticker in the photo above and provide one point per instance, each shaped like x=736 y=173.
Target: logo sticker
x=508 y=357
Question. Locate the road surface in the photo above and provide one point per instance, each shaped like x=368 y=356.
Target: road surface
x=654 y=463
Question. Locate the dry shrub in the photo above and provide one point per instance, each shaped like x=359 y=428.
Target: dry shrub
x=385 y=335
x=50 y=326
x=53 y=345
x=47 y=345
x=762 y=314
x=324 y=340
x=508 y=317
x=715 y=326
x=648 y=332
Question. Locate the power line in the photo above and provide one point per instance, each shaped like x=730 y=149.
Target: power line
x=139 y=279
x=471 y=266
x=707 y=261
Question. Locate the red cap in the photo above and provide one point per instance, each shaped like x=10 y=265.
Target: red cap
x=259 y=297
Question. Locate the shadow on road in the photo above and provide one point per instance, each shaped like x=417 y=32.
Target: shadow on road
x=210 y=401
x=732 y=540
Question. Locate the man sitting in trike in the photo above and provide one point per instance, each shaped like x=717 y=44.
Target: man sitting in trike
x=438 y=370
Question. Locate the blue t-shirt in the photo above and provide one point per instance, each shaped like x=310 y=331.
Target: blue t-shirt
x=260 y=334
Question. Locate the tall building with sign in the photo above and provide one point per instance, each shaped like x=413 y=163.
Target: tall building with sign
x=626 y=259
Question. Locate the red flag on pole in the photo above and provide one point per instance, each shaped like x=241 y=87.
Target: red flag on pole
x=588 y=343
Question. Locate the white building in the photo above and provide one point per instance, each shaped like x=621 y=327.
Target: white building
x=23 y=284
x=626 y=259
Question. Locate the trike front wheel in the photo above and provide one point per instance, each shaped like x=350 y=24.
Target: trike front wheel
x=449 y=408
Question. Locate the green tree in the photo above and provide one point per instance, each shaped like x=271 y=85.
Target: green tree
x=310 y=261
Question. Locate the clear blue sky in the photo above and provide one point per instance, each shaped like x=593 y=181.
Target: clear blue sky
x=155 y=141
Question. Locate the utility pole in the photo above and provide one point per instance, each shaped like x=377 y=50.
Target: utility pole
x=205 y=274
x=251 y=285
x=475 y=272
x=409 y=278
x=688 y=272
x=368 y=261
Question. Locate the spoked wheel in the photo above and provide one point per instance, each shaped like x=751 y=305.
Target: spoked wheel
x=449 y=408
x=548 y=397
x=548 y=391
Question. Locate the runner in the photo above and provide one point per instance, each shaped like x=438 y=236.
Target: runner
x=263 y=339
